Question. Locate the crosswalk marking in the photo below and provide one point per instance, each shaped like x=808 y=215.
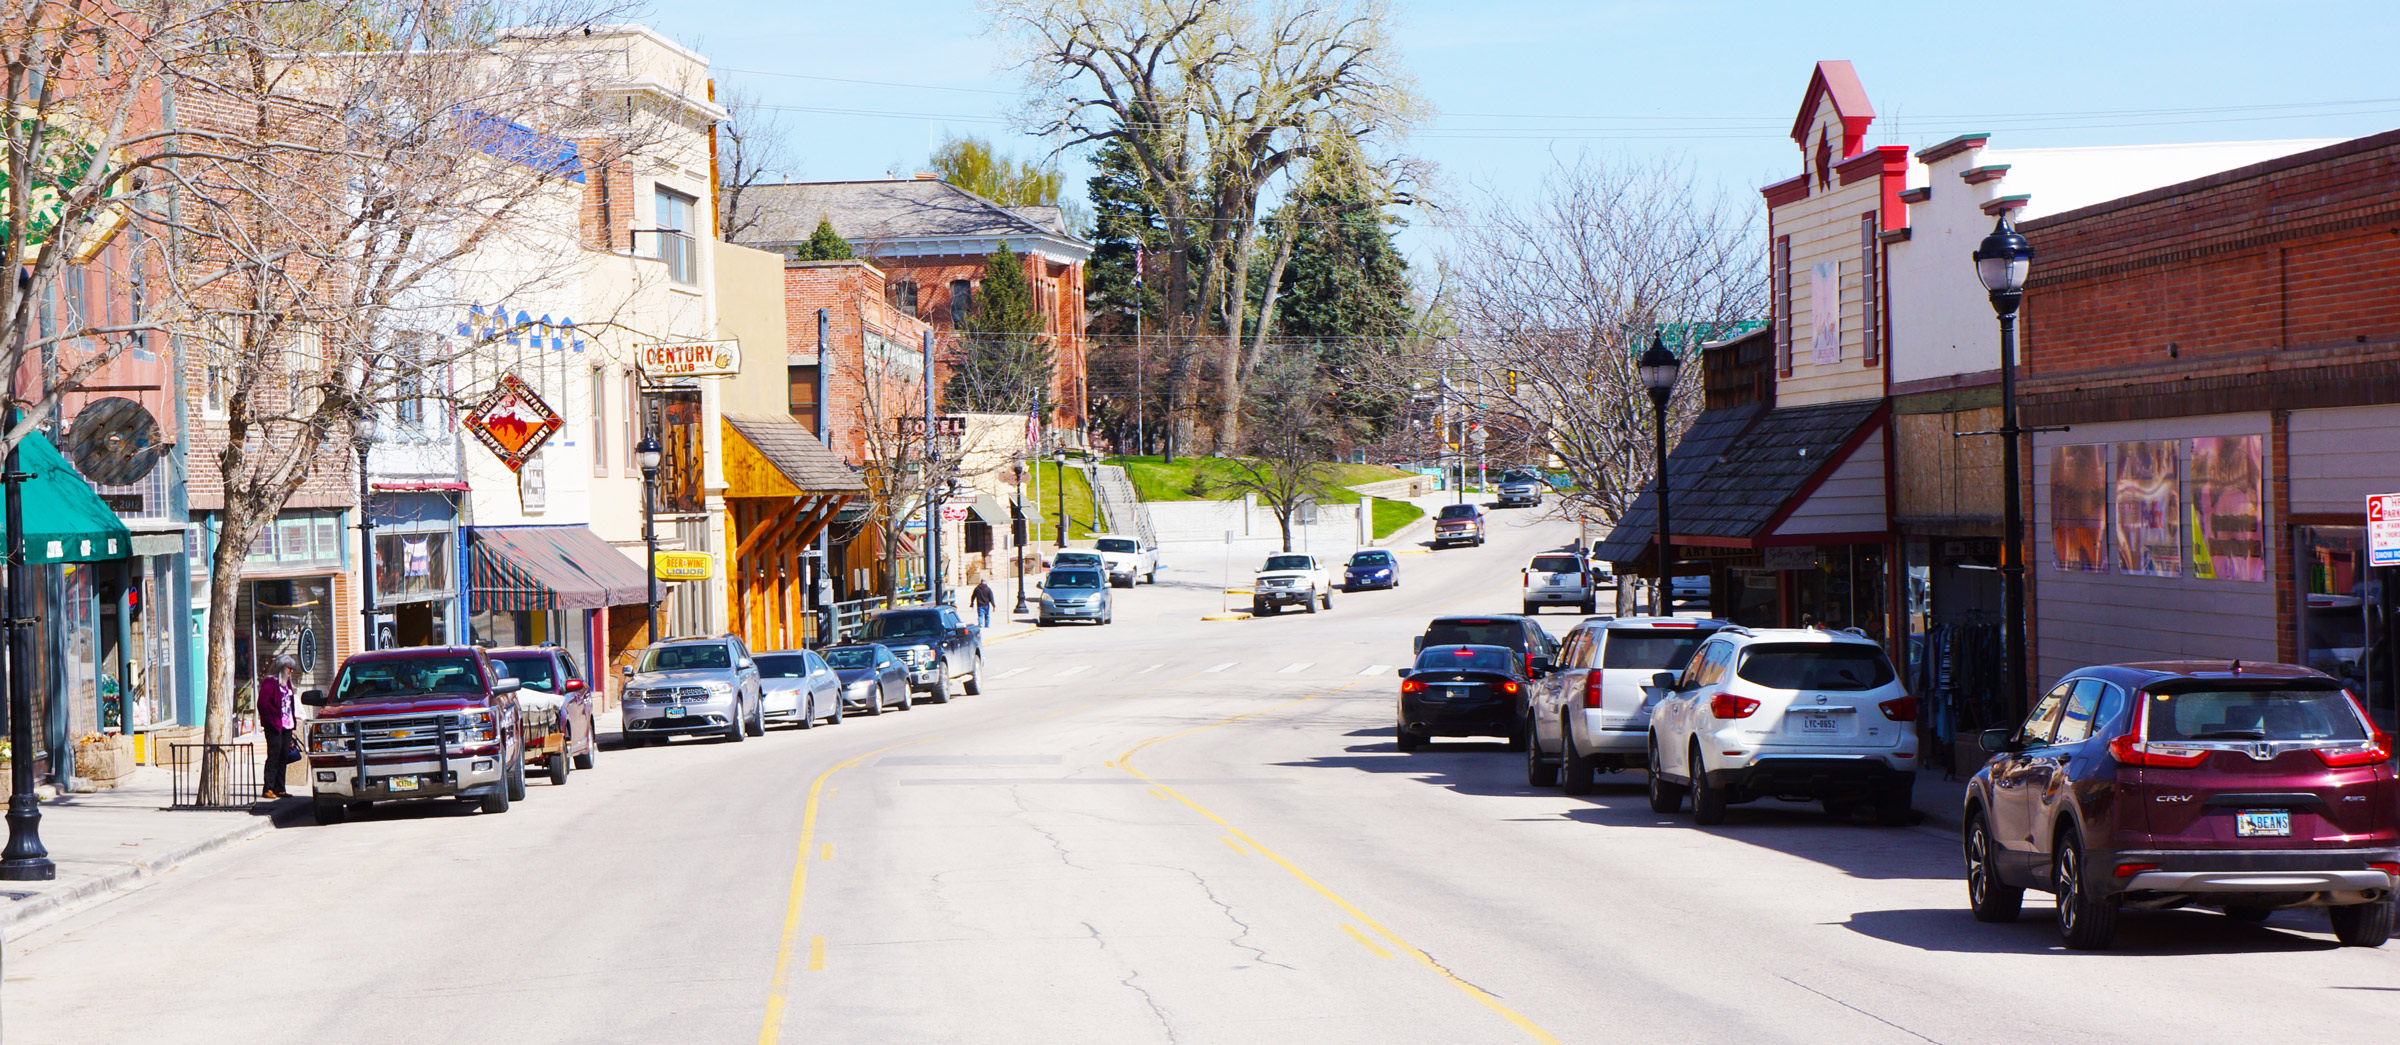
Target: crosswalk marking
x=1302 y=666
x=1151 y=668
x=1218 y=667
x=1010 y=673
x=1076 y=670
x=1376 y=669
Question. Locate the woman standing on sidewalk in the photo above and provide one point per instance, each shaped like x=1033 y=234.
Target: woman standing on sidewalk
x=275 y=717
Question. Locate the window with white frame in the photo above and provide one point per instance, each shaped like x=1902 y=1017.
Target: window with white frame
x=675 y=244
x=599 y=385
x=409 y=360
x=304 y=368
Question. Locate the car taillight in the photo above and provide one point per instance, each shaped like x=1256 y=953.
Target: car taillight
x=1900 y=709
x=2390 y=869
x=2376 y=748
x=2129 y=870
x=1726 y=705
x=2134 y=751
x=1508 y=686
x=1591 y=689
x=1411 y=686
x=1529 y=578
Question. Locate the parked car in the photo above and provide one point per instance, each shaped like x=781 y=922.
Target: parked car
x=1560 y=579
x=1078 y=558
x=556 y=705
x=2248 y=788
x=1371 y=568
x=1591 y=714
x=421 y=722
x=872 y=679
x=1462 y=691
x=1792 y=713
x=798 y=687
x=1078 y=593
x=692 y=686
x=1288 y=579
x=1458 y=524
x=1130 y=560
x=939 y=647
x=1521 y=489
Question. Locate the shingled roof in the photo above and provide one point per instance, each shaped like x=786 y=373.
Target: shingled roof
x=1735 y=469
x=868 y=213
x=794 y=451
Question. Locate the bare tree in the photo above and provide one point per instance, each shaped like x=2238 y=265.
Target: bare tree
x=1557 y=296
x=752 y=146
x=1287 y=454
x=1214 y=99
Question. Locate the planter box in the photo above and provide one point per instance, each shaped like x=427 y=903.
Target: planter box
x=105 y=761
x=164 y=739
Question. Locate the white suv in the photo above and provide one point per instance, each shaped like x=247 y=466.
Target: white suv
x=1591 y=714
x=1790 y=713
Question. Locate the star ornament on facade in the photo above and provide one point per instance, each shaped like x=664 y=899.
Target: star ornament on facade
x=512 y=421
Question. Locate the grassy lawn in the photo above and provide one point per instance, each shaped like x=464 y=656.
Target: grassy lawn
x=1156 y=480
x=1390 y=516
x=1041 y=497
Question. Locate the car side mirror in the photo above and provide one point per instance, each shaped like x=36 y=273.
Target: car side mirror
x=574 y=686
x=746 y=664
x=626 y=671
x=1998 y=741
x=1665 y=680
x=1417 y=645
x=314 y=698
x=506 y=686
x=1405 y=672
x=1543 y=666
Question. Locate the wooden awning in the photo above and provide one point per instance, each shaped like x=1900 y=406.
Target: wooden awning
x=770 y=456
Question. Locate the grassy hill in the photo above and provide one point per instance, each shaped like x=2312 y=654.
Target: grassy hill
x=1209 y=479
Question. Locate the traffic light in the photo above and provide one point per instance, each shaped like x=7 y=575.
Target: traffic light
x=1512 y=381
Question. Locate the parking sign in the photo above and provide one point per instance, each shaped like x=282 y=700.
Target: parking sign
x=2383 y=529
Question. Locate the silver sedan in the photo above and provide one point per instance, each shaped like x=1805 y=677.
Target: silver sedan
x=798 y=687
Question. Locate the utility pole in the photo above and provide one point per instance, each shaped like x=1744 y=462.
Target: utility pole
x=933 y=488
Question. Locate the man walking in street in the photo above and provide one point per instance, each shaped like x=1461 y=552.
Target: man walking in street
x=983 y=603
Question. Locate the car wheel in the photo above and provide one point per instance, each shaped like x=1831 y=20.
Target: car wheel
x=974 y=683
x=1257 y=608
x=558 y=768
x=835 y=719
x=591 y=752
x=1708 y=803
x=331 y=811
x=907 y=699
x=1986 y=896
x=516 y=780
x=1666 y=797
x=806 y=718
x=2087 y=923
x=1405 y=740
x=756 y=724
x=2362 y=924
x=733 y=723
x=498 y=801
x=875 y=706
x=1311 y=603
x=1539 y=772
x=1531 y=609
x=1329 y=598
x=1576 y=772
x=941 y=691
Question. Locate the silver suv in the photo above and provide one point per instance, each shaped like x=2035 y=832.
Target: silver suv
x=693 y=686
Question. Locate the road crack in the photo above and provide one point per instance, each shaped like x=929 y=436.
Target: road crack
x=1132 y=974
x=1024 y=815
x=1237 y=939
x=1856 y=1009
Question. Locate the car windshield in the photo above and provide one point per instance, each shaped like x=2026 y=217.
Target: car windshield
x=532 y=669
x=1115 y=544
x=376 y=679
x=1468 y=658
x=1371 y=559
x=2273 y=714
x=1557 y=564
x=1650 y=650
x=1836 y=666
x=850 y=657
x=1475 y=633
x=687 y=658
x=1457 y=511
x=1288 y=562
x=1072 y=579
x=782 y=666
x=1076 y=559
x=1517 y=477
x=919 y=625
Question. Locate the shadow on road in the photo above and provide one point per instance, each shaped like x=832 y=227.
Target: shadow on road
x=2160 y=933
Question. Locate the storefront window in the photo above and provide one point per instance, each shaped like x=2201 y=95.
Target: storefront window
x=2078 y=507
x=286 y=617
x=2334 y=588
x=2228 y=486
x=411 y=564
x=2149 y=528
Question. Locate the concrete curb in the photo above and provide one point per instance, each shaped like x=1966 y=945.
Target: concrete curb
x=24 y=915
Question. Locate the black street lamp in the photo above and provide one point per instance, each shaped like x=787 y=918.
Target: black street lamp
x=363 y=439
x=1060 y=456
x=1017 y=534
x=647 y=453
x=2002 y=262
x=25 y=859
x=1658 y=368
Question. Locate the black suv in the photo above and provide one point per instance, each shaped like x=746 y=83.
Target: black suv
x=1533 y=645
x=937 y=645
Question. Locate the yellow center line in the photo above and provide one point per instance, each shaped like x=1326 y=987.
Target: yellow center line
x=772 y=1027
x=1484 y=997
x=816 y=954
x=825 y=852
x=1364 y=942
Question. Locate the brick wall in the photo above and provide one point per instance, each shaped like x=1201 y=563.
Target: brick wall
x=1058 y=289
x=853 y=293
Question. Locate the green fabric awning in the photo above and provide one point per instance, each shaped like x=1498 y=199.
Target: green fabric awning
x=64 y=520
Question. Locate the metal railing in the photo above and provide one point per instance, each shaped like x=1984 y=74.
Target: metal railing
x=238 y=763
x=1120 y=505
x=848 y=616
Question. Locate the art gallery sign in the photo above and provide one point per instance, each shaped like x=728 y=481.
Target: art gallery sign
x=690 y=359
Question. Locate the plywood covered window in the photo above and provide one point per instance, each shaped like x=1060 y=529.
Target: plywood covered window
x=1783 y=304
x=1869 y=294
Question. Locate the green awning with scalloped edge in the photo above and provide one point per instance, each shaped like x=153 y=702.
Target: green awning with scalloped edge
x=64 y=520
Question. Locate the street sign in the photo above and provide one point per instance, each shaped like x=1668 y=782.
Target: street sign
x=691 y=359
x=2383 y=529
x=685 y=566
x=512 y=421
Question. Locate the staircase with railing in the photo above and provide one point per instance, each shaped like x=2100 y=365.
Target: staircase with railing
x=1124 y=510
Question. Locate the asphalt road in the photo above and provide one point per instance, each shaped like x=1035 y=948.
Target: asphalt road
x=1159 y=831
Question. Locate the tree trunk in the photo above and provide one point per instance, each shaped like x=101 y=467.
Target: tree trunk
x=1236 y=298
x=1283 y=519
x=241 y=527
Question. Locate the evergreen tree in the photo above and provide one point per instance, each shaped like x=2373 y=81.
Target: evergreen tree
x=824 y=244
x=1004 y=363
x=1346 y=286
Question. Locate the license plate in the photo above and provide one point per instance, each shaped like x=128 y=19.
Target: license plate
x=1820 y=724
x=674 y=712
x=2262 y=823
x=400 y=783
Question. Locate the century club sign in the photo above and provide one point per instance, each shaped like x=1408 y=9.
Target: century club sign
x=690 y=358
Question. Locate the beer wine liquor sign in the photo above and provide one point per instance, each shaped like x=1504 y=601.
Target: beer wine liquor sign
x=513 y=422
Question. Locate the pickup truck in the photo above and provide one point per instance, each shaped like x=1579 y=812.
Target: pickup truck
x=1287 y=579
x=1130 y=560
x=423 y=722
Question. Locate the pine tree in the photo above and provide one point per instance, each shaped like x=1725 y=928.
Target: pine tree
x=1004 y=363
x=824 y=244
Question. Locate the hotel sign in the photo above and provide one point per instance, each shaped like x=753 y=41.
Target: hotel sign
x=691 y=359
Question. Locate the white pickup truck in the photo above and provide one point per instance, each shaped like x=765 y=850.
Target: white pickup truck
x=1287 y=579
x=1130 y=560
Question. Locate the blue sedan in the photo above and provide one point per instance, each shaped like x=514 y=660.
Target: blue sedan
x=1371 y=569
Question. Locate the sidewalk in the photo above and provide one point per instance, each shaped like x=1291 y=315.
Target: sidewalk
x=107 y=841
x=1940 y=800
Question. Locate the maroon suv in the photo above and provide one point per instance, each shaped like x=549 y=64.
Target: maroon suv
x=2243 y=787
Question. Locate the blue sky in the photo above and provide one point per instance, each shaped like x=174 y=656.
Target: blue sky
x=1519 y=83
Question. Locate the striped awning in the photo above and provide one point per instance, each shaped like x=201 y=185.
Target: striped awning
x=532 y=568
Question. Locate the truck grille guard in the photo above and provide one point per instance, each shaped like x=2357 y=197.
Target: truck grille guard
x=395 y=735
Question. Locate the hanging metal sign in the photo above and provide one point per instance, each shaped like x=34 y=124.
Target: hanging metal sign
x=513 y=422
x=691 y=359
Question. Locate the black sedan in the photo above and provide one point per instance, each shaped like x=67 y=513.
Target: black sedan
x=1464 y=691
x=872 y=678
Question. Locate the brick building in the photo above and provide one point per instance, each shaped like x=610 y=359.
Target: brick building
x=2226 y=356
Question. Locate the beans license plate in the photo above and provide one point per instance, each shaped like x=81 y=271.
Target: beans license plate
x=400 y=783
x=1820 y=724
x=2262 y=823
x=675 y=712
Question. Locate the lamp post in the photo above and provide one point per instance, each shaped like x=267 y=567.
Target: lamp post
x=1060 y=456
x=1658 y=368
x=362 y=438
x=2002 y=262
x=646 y=452
x=25 y=859
x=1016 y=534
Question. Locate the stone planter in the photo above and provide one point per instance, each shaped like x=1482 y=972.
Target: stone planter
x=105 y=761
